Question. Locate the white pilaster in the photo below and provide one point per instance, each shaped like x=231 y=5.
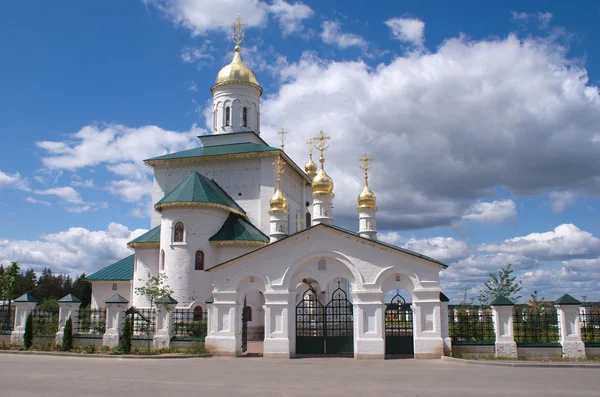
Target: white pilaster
x=427 y=324
x=225 y=334
x=22 y=310
x=115 y=319
x=278 y=309
x=369 y=325
x=503 y=328
x=68 y=308
x=445 y=333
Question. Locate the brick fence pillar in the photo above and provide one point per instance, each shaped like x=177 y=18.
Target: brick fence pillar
x=116 y=306
x=569 y=328
x=69 y=307
x=23 y=306
x=503 y=327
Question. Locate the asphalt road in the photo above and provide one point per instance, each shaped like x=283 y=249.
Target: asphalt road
x=32 y=375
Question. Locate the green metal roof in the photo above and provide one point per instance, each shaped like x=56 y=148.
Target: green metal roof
x=567 y=299
x=167 y=300
x=218 y=150
x=210 y=300
x=151 y=236
x=237 y=228
x=26 y=298
x=116 y=298
x=70 y=298
x=118 y=271
x=197 y=188
x=443 y=297
x=502 y=301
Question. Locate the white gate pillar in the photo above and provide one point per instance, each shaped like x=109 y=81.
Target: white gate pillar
x=69 y=307
x=279 y=308
x=23 y=306
x=162 y=336
x=427 y=323
x=569 y=327
x=502 y=312
x=224 y=338
x=445 y=332
x=116 y=306
x=369 y=325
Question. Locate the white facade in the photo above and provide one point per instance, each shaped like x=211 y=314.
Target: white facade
x=102 y=290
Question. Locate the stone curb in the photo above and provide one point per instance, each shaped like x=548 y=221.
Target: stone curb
x=99 y=355
x=538 y=364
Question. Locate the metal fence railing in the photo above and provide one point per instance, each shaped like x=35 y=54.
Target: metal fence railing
x=590 y=327
x=45 y=323
x=188 y=324
x=90 y=322
x=7 y=318
x=144 y=323
x=535 y=325
x=471 y=327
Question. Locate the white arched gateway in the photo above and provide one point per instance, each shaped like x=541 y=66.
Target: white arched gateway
x=318 y=298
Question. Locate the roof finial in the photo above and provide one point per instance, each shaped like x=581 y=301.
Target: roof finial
x=298 y=222
x=238 y=30
x=282 y=133
x=320 y=142
x=365 y=165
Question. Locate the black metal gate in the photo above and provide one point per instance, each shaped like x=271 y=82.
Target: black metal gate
x=324 y=329
x=398 y=327
x=245 y=326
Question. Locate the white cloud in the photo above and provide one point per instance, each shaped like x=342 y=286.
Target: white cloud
x=565 y=241
x=491 y=212
x=332 y=34
x=201 y=56
x=78 y=181
x=66 y=193
x=131 y=190
x=72 y=251
x=290 y=16
x=15 y=181
x=541 y=18
x=560 y=200
x=36 y=201
x=485 y=95
x=407 y=30
x=444 y=249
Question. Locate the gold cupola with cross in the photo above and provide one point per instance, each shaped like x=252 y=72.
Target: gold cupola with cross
x=322 y=183
x=367 y=199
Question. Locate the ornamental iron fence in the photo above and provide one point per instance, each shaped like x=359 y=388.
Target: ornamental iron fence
x=535 y=325
x=471 y=326
x=45 y=323
x=189 y=324
x=143 y=323
x=590 y=327
x=90 y=322
x=7 y=318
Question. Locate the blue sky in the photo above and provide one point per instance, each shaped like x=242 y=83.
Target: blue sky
x=482 y=118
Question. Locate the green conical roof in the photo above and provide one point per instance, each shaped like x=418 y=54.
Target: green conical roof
x=502 y=301
x=169 y=300
x=567 y=299
x=237 y=228
x=151 y=236
x=70 y=298
x=198 y=190
x=26 y=298
x=116 y=298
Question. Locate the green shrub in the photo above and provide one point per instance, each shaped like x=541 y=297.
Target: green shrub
x=89 y=349
x=197 y=348
x=116 y=350
x=105 y=349
x=125 y=342
x=67 y=341
x=49 y=305
x=28 y=336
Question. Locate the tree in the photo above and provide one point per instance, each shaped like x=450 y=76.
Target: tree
x=83 y=290
x=8 y=282
x=28 y=335
x=67 y=341
x=503 y=283
x=156 y=287
x=125 y=342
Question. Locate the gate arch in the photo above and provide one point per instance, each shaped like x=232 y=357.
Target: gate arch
x=398 y=326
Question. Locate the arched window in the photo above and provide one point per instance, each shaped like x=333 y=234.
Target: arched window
x=162 y=260
x=178 y=233
x=248 y=310
x=245 y=117
x=215 y=119
x=114 y=287
x=308 y=220
x=198 y=313
x=199 y=262
x=227 y=116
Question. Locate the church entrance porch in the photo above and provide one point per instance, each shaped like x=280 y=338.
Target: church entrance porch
x=398 y=327
x=324 y=330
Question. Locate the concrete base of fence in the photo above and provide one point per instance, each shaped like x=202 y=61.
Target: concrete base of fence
x=161 y=340
x=506 y=349
x=592 y=351
x=447 y=346
x=5 y=338
x=59 y=336
x=110 y=339
x=17 y=337
x=473 y=351
x=540 y=352
x=573 y=349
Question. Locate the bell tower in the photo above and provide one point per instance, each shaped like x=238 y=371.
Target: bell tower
x=236 y=93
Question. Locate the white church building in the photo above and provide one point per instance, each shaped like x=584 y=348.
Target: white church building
x=243 y=232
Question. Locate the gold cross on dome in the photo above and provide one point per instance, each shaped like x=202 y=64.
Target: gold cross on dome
x=310 y=145
x=320 y=141
x=298 y=222
x=279 y=165
x=238 y=30
x=282 y=133
x=365 y=162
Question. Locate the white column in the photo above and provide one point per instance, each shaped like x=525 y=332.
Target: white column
x=503 y=328
x=162 y=336
x=367 y=223
x=278 y=312
x=570 y=331
x=23 y=306
x=427 y=323
x=322 y=209
x=115 y=319
x=69 y=307
x=369 y=325
x=225 y=334
x=444 y=321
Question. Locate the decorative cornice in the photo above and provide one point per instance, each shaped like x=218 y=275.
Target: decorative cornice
x=236 y=82
x=366 y=208
x=200 y=159
x=238 y=244
x=145 y=245
x=187 y=204
x=275 y=211
x=322 y=194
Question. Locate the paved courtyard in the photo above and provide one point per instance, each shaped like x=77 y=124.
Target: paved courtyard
x=29 y=375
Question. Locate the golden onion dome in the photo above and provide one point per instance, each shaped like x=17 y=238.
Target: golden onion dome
x=322 y=183
x=278 y=201
x=367 y=199
x=310 y=168
x=236 y=72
